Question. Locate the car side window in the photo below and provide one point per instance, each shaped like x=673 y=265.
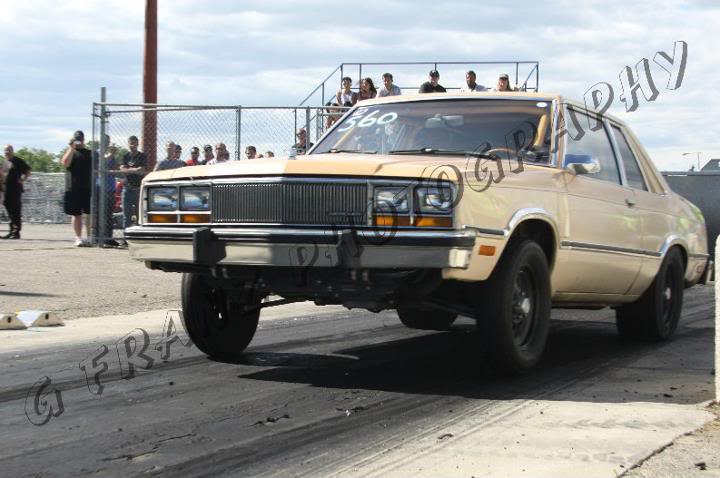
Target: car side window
x=632 y=168
x=593 y=143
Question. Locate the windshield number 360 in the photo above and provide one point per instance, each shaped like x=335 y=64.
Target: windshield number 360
x=362 y=120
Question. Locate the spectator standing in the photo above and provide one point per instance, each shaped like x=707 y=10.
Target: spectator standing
x=172 y=160
x=78 y=162
x=207 y=154
x=134 y=167
x=432 y=85
x=14 y=172
x=194 y=157
x=251 y=152
x=110 y=185
x=269 y=154
x=367 y=89
x=332 y=114
x=503 y=83
x=221 y=154
x=388 y=88
x=470 y=78
x=346 y=96
x=302 y=145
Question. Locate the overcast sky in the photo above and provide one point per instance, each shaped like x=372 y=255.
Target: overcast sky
x=57 y=55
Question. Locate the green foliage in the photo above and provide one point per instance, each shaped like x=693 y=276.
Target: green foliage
x=40 y=161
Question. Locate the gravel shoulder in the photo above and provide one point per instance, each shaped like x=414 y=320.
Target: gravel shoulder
x=45 y=271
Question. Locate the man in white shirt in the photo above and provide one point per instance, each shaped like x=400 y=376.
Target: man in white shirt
x=471 y=85
x=388 y=89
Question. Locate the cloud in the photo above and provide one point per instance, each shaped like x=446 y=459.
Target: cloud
x=273 y=52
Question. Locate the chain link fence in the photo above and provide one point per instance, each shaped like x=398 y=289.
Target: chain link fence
x=268 y=129
x=42 y=201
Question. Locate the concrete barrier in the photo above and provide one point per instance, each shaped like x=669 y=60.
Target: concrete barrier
x=39 y=318
x=10 y=321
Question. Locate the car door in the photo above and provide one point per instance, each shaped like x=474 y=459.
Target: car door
x=651 y=202
x=604 y=233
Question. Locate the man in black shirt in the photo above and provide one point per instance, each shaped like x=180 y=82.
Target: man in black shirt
x=134 y=167
x=17 y=172
x=432 y=86
x=78 y=162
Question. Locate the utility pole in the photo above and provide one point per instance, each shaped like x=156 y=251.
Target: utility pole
x=149 y=119
x=697 y=153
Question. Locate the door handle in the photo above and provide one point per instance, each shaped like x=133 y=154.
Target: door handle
x=630 y=202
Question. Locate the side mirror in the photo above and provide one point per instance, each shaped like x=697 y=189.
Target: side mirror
x=581 y=164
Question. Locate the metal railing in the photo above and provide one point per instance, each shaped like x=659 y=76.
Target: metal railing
x=409 y=75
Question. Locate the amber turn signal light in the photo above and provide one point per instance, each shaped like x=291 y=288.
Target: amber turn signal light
x=433 y=222
x=486 y=251
x=162 y=218
x=195 y=218
x=391 y=221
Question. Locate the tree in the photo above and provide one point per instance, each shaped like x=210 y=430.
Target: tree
x=40 y=161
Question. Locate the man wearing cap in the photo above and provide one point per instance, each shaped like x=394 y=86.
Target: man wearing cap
x=471 y=84
x=78 y=162
x=207 y=154
x=194 y=157
x=432 y=85
x=14 y=171
x=173 y=158
x=503 y=83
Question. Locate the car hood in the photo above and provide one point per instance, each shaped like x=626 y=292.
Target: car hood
x=325 y=165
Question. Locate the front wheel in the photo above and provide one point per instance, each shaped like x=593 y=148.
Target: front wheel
x=515 y=307
x=655 y=315
x=220 y=322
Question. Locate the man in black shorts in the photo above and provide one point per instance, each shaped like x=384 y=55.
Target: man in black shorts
x=78 y=162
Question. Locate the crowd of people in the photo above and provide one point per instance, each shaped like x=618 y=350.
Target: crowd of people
x=133 y=165
x=346 y=97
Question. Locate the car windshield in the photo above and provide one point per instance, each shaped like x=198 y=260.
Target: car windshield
x=445 y=127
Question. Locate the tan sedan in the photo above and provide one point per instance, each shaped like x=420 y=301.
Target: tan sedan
x=495 y=206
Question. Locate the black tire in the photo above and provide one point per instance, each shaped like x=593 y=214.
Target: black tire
x=655 y=315
x=515 y=304
x=215 y=320
x=426 y=319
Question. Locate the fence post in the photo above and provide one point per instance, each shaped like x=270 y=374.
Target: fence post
x=238 y=132
x=99 y=176
x=307 y=129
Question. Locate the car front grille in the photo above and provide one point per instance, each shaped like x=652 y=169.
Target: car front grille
x=302 y=203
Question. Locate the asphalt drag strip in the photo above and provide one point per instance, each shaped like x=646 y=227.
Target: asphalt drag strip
x=324 y=391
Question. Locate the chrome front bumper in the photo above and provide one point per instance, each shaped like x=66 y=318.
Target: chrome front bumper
x=293 y=247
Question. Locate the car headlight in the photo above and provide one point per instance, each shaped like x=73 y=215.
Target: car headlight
x=195 y=199
x=391 y=199
x=434 y=199
x=162 y=199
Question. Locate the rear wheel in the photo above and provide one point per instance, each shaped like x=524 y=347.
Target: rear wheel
x=216 y=319
x=655 y=315
x=426 y=319
x=515 y=306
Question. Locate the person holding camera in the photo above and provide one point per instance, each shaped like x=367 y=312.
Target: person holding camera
x=77 y=160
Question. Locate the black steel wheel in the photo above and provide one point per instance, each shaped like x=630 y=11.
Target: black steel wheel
x=426 y=319
x=655 y=315
x=219 y=322
x=515 y=308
